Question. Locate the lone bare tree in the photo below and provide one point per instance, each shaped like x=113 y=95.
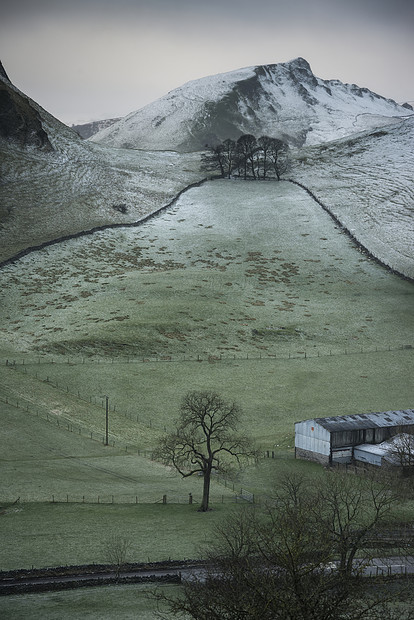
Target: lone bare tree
x=205 y=439
x=116 y=551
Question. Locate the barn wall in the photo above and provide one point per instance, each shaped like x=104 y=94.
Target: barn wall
x=368 y=457
x=312 y=438
x=342 y=456
x=300 y=453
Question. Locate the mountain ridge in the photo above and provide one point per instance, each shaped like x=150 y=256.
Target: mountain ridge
x=283 y=100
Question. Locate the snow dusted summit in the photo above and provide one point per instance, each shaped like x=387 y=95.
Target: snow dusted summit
x=282 y=100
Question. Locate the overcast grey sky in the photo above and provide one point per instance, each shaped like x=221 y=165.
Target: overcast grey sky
x=86 y=60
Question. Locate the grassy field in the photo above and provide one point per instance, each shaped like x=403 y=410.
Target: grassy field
x=247 y=289
x=147 y=396
x=234 y=268
x=126 y=602
x=60 y=534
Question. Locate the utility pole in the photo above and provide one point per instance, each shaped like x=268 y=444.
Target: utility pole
x=107 y=420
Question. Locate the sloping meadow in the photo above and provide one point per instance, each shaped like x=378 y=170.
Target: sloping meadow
x=246 y=288
x=234 y=268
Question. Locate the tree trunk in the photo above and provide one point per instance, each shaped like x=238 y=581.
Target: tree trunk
x=206 y=490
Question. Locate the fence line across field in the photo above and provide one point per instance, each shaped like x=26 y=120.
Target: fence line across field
x=106 y=499
x=203 y=357
x=99 y=437
x=28 y=367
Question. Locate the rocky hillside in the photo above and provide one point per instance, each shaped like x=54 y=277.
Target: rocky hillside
x=283 y=100
x=20 y=121
x=86 y=130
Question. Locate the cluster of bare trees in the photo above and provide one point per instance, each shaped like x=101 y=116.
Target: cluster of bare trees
x=305 y=554
x=301 y=557
x=248 y=157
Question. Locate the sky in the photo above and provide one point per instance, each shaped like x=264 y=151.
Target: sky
x=85 y=60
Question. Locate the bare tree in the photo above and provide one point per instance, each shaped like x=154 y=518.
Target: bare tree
x=246 y=150
x=220 y=157
x=229 y=151
x=116 y=551
x=205 y=439
x=278 y=156
x=282 y=562
x=265 y=144
x=214 y=159
x=401 y=451
x=353 y=508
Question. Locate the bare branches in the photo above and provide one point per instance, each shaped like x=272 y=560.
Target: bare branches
x=250 y=157
x=284 y=562
x=205 y=439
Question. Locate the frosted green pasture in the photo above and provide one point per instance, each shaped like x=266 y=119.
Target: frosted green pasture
x=41 y=534
x=103 y=603
x=273 y=393
x=235 y=267
x=234 y=270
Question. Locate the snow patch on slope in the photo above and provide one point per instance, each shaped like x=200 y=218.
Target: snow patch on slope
x=281 y=100
x=367 y=182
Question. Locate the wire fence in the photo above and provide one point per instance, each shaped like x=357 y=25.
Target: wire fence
x=209 y=358
x=38 y=369
x=43 y=413
x=10 y=504
x=232 y=495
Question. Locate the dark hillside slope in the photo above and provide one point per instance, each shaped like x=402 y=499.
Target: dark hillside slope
x=54 y=184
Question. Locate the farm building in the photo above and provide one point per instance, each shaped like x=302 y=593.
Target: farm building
x=341 y=439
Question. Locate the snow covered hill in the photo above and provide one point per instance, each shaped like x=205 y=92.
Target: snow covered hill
x=367 y=182
x=53 y=183
x=86 y=130
x=281 y=100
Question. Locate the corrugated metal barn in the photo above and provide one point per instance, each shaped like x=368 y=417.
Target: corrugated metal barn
x=334 y=439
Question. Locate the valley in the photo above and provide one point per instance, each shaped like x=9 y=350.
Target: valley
x=246 y=288
x=152 y=278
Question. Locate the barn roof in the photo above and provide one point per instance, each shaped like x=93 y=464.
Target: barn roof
x=403 y=417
